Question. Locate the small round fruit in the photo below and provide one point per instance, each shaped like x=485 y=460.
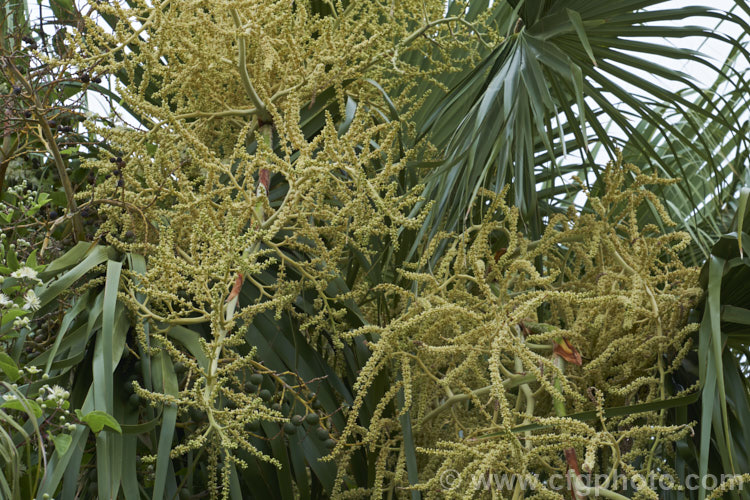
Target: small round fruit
x=289 y=428
x=330 y=443
x=276 y=407
x=316 y=405
x=134 y=400
x=322 y=433
x=179 y=367
x=265 y=395
x=256 y=378
x=250 y=387
x=312 y=418
x=297 y=420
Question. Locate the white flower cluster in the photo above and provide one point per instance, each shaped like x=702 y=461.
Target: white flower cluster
x=55 y=395
x=25 y=273
x=21 y=322
x=31 y=301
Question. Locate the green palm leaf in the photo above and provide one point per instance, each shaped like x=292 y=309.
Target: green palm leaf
x=703 y=203
x=565 y=61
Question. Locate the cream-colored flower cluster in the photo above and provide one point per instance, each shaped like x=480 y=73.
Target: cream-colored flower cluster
x=491 y=391
x=224 y=185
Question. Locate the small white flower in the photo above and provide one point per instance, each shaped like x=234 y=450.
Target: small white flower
x=31 y=370
x=9 y=397
x=24 y=272
x=5 y=300
x=32 y=301
x=57 y=393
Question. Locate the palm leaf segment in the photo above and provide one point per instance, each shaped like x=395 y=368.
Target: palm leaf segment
x=551 y=87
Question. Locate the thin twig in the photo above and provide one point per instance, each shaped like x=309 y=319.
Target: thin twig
x=48 y=138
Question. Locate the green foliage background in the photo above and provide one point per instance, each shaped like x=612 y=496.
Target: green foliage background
x=335 y=248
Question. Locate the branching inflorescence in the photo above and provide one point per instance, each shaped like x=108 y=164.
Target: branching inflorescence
x=489 y=388
x=240 y=210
